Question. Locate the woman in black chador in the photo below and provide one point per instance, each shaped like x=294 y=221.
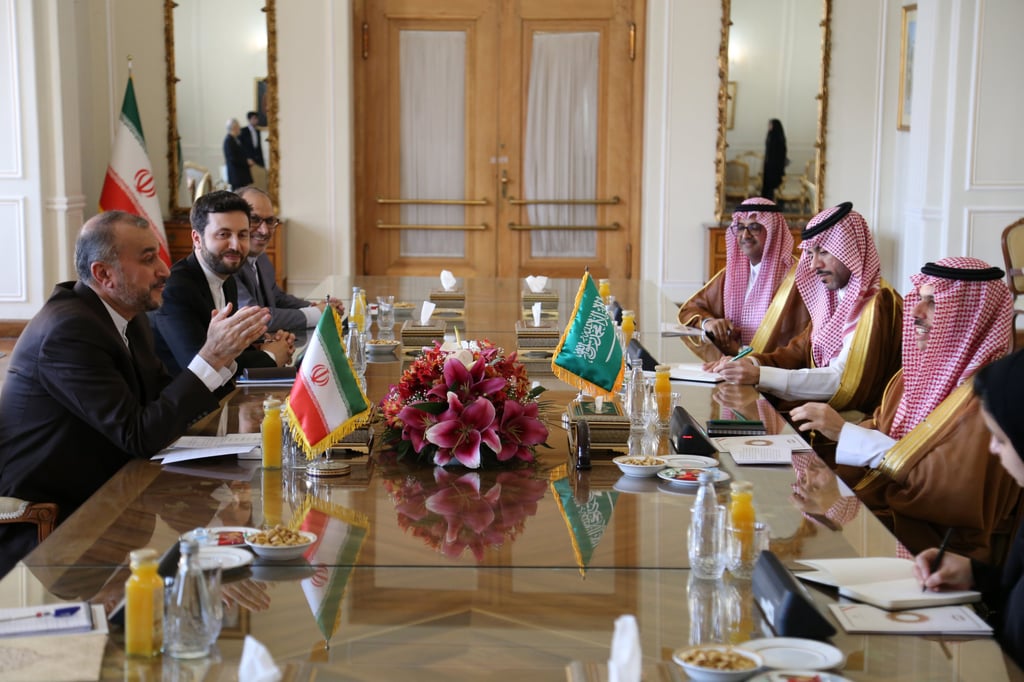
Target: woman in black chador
x=774 y=159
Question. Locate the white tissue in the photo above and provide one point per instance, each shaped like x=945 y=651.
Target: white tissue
x=536 y=314
x=257 y=665
x=537 y=283
x=447 y=280
x=625 y=664
x=426 y=311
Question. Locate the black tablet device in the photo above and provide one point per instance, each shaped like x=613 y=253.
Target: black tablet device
x=786 y=604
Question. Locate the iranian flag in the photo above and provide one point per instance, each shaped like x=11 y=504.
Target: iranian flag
x=129 y=184
x=327 y=402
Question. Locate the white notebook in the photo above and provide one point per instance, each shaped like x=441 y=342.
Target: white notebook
x=944 y=620
x=886 y=582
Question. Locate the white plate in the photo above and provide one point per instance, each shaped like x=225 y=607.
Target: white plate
x=228 y=557
x=669 y=475
x=690 y=461
x=787 y=675
x=796 y=653
x=213 y=533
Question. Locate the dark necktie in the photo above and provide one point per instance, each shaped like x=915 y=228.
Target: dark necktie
x=261 y=300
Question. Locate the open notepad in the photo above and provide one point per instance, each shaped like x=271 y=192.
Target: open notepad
x=48 y=619
x=769 y=449
x=199 y=447
x=941 y=620
x=886 y=582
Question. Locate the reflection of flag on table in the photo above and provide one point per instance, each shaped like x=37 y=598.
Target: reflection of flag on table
x=327 y=402
x=587 y=521
x=589 y=355
x=340 y=533
x=129 y=184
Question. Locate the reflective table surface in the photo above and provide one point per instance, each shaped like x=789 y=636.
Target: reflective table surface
x=505 y=574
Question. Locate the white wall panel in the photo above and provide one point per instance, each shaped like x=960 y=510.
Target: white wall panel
x=12 y=256
x=997 y=134
x=10 y=121
x=985 y=229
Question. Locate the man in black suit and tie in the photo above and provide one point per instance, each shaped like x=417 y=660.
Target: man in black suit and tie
x=201 y=284
x=257 y=280
x=85 y=391
x=250 y=140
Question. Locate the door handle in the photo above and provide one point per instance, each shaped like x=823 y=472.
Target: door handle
x=504 y=184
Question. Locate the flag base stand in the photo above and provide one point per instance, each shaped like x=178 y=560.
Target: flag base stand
x=328 y=468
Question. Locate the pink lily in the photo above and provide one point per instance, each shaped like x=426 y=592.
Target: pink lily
x=467 y=382
x=520 y=430
x=461 y=430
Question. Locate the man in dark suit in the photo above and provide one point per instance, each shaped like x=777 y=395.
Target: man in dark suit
x=85 y=391
x=237 y=164
x=250 y=140
x=201 y=284
x=257 y=280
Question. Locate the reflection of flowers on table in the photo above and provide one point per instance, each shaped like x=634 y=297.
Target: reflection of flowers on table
x=464 y=406
x=454 y=511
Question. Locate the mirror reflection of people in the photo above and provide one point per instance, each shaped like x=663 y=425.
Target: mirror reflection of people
x=774 y=159
x=1001 y=388
x=237 y=164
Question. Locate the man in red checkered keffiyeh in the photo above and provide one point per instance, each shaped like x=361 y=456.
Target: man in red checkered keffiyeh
x=922 y=462
x=732 y=305
x=851 y=348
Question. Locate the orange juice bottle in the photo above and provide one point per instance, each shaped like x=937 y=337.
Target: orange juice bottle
x=604 y=289
x=628 y=324
x=742 y=516
x=271 y=433
x=663 y=393
x=143 y=606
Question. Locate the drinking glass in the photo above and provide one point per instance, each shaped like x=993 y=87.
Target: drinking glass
x=385 y=317
x=355 y=347
x=707 y=530
x=743 y=547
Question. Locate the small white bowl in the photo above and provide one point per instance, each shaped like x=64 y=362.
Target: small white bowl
x=705 y=674
x=626 y=465
x=282 y=552
x=377 y=346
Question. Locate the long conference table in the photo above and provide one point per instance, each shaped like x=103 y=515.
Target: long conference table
x=527 y=586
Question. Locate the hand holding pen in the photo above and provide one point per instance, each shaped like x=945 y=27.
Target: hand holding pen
x=938 y=569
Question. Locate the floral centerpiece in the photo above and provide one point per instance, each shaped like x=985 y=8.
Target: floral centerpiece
x=466 y=405
x=452 y=511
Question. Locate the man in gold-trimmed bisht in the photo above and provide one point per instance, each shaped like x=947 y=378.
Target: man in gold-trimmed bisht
x=851 y=349
x=752 y=300
x=922 y=463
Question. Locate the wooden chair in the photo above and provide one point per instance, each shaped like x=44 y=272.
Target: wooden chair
x=755 y=165
x=737 y=182
x=42 y=514
x=1013 y=258
x=198 y=180
x=792 y=194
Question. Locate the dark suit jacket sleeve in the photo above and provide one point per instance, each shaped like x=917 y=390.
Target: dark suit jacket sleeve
x=82 y=366
x=286 y=317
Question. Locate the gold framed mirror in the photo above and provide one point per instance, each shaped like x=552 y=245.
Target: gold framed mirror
x=773 y=64
x=205 y=89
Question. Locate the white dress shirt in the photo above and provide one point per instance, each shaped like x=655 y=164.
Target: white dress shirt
x=813 y=383
x=858 y=446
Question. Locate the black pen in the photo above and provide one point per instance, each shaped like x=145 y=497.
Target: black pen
x=937 y=561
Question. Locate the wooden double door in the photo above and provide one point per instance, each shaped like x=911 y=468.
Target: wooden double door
x=498 y=138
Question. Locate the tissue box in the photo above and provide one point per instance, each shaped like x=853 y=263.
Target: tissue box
x=448 y=299
x=609 y=428
x=548 y=299
x=416 y=335
x=546 y=336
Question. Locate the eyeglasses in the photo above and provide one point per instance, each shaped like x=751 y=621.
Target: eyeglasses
x=753 y=228
x=269 y=221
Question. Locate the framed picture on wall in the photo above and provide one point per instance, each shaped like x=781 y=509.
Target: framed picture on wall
x=261 y=102
x=908 y=36
x=730 y=105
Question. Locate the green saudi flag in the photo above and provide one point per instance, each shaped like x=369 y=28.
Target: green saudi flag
x=586 y=521
x=589 y=356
